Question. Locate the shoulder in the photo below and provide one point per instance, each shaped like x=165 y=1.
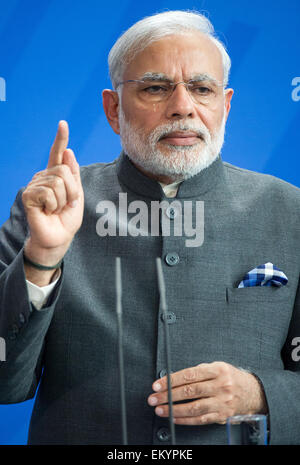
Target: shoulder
x=259 y=184
x=96 y=169
x=98 y=174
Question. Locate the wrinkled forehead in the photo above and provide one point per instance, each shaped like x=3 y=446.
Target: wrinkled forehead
x=179 y=56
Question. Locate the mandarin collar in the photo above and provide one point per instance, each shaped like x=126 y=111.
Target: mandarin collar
x=135 y=181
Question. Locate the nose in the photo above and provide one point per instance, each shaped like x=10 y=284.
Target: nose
x=180 y=104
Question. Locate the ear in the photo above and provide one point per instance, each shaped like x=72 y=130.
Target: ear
x=110 y=100
x=228 y=96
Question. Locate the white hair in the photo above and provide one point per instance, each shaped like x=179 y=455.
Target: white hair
x=153 y=28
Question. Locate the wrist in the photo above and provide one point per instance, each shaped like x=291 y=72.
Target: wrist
x=43 y=259
x=261 y=401
x=40 y=267
x=256 y=399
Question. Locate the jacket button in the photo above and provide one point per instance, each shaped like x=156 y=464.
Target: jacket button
x=171 y=213
x=172 y=258
x=171 y=317
x=163 y=434
x=163 y=373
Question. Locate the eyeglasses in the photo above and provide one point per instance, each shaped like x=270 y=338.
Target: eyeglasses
x=153 y=91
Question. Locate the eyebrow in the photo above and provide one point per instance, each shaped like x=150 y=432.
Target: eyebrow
x=155 y=77
x=150 y=76
x=206 y=77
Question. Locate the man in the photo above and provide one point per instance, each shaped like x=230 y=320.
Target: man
x=231 y=347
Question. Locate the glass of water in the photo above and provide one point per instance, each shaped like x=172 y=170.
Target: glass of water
x=247 y=430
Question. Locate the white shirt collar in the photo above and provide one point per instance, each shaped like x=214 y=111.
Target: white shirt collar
x=170 y=190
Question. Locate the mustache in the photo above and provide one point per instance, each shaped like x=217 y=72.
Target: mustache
x=166 y=129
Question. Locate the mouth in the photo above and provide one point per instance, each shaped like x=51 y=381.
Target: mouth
x=181 y=138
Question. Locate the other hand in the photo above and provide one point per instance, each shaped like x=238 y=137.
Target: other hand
x=215 y=390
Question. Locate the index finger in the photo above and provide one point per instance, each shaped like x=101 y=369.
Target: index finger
x=60 y=144
x=202 y=372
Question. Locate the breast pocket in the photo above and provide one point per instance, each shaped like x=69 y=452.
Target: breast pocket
x=257 y=320
x=258 y=294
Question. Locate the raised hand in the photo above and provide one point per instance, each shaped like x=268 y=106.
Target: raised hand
x=54 y=202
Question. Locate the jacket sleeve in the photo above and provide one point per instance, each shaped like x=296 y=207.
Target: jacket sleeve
x=22 y=327
x=282 y=387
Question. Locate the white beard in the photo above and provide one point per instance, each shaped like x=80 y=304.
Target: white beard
x=175 y=161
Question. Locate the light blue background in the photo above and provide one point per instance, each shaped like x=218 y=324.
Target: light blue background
x=53 y=57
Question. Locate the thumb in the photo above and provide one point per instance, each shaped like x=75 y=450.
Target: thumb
x=70 y=160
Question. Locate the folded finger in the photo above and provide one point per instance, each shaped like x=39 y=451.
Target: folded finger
x=42 y=197
x=61 y=179
x=57 y=185
x=190 y=409
x=206 y=419
x=186 y=392
x=205 y=371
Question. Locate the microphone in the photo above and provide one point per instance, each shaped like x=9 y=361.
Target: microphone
x=162 y=291
x=120 y=348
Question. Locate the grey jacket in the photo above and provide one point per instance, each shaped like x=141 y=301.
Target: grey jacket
x=69 y=348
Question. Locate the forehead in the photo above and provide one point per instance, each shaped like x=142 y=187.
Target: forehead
x=179 y=57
